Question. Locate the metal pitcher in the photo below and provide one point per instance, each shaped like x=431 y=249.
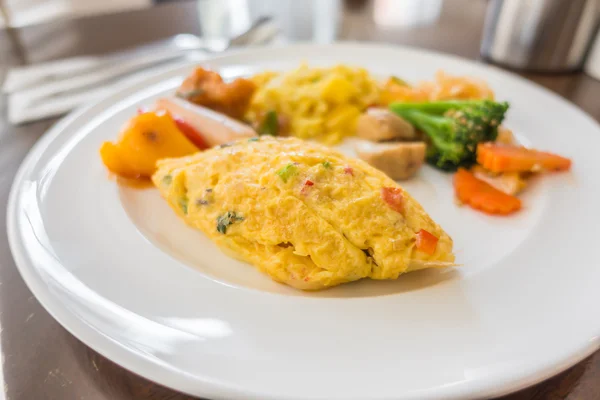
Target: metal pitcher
x=540 y=35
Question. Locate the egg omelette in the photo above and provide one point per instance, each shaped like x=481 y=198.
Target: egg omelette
x=303 y=213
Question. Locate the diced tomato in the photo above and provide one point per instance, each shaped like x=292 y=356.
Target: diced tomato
x=394 y=198
x=483 y=196
x=191 y=133
x=349 y=171
x=307 y=184
x=498 y=157
x=426 y=242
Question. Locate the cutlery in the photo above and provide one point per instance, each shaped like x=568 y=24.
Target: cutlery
x=87 y=70
x=42 y=91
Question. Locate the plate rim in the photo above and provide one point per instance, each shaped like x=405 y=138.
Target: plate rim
x=146 y=368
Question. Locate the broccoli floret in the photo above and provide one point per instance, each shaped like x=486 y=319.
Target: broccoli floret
x=454 y=128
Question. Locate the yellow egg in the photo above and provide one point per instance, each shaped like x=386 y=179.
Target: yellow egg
x=305 y=214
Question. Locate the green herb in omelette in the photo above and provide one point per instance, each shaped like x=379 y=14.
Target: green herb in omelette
x=183 y=204
x=326 y=164
x=270 y=124
x=399 y=81
x=254 y=139
x=223 y=221
x=167 y=179
x=287 y=172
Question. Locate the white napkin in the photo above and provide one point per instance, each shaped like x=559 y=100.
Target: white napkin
x=30 y=105
x=32 y=96
x=21 y=77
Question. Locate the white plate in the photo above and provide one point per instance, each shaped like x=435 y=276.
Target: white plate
x=122 y=273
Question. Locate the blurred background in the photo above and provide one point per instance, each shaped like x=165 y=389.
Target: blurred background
x=529 y=36
x=26 y=12
x=551 y=35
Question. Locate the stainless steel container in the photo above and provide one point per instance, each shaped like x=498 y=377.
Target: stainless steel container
x=540 y=35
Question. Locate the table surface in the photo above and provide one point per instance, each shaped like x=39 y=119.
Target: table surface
x=40 y=360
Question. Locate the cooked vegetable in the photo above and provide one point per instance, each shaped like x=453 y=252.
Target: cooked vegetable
x=398 y=81
x=191 y=133
x=147 y=138
x=443 y=87
x=206 y=88
x=426 y=242
x=326 y=164
x=454 y=128
x=214 y=127
x=398 y=160
x=394 y=198
x=488 y=110
x=223 y=221
x=505 y=136
x=307 y=184
x=287 y=172
x=167 y=180
x=483 y=196
x=508 y=182
x=270 y=124
x=183 y=204
x=379 y=124
x=507 y=158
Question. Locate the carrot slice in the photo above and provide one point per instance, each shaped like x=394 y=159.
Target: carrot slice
x=483 y=196
x=426 y=242
x=497 y=157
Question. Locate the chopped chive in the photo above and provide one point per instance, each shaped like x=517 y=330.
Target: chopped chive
x=270 y=124
x=183 y=204
x=287 y=172
x=223 y=221
x=326 y=164
x=399 y=81
x=167 y=180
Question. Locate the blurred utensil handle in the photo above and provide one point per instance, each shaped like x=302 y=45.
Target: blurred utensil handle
x=94 y=69
x=541 y=35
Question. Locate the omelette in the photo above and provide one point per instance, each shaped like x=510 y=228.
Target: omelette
x=305 y=214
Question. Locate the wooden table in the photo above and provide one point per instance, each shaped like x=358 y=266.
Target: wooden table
x=40 y=360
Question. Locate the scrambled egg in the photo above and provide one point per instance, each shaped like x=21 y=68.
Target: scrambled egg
x=320 y=103
x=305 y=214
